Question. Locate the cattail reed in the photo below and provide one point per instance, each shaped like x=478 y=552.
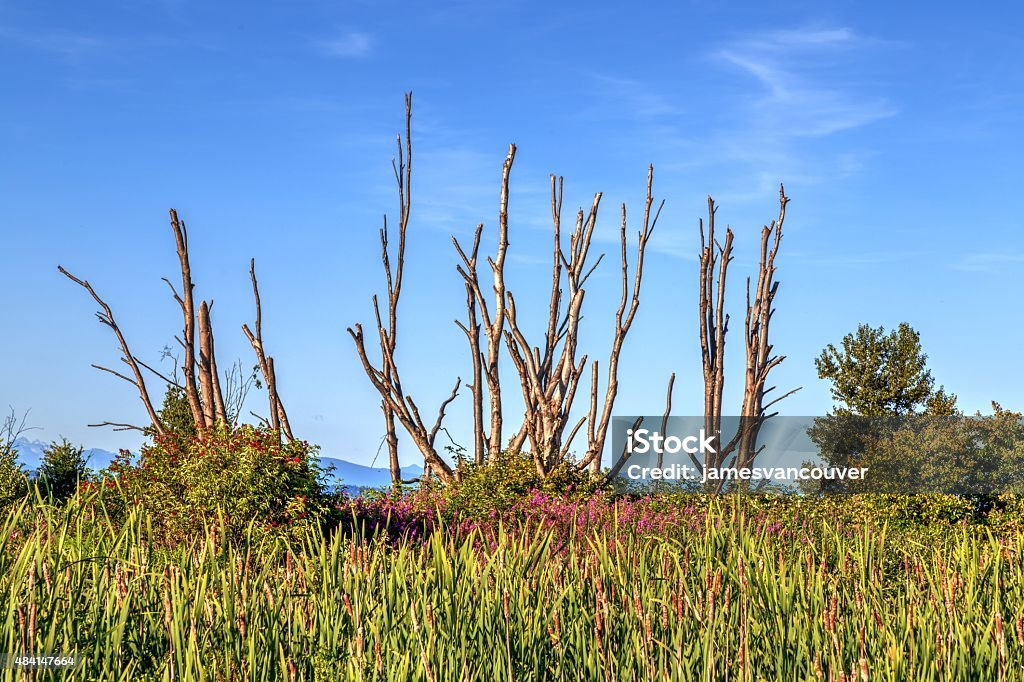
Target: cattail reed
x=712 y=602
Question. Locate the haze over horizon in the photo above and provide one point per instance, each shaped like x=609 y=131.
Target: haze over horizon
x=899 y=136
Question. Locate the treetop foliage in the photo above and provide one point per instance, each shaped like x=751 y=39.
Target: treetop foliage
x=878 y=374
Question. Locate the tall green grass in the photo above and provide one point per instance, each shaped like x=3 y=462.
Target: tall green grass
x=724 y=602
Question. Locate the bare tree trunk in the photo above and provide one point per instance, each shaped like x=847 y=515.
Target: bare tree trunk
x=714 y=325
x=403 y=179
x=758 y=349
x=494 y=336
x=493 y=326
x=395 y=403
x=188 y=311
x=664 y=422
x=207 y=377
x=282 y=416
x=220 y=409
x=472 y=331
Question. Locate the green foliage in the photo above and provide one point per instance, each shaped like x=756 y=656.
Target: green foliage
x=239 y=477
x=879 y=374
x=979 y=455
x=909 y=433
x=1006 y=515
x=907 y=518
x=176 y=414
x=967 y=455
x=496 y=486
x=13 y=483
x=61 y=471
x=920 y=513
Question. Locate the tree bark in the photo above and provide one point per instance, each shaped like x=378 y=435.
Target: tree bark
x=188 y=311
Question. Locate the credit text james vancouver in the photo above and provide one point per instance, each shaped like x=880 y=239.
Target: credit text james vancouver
x=643 y=441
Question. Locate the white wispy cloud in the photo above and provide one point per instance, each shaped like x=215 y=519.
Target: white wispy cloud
x=635 y=98
x=989 y=262
x=795 y=96
x=64 y=43
x=348 y=44
x=795 y=38
x=767 y=102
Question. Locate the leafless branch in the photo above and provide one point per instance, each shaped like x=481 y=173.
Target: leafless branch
x=106 y=316
x=623 y=321
x=278 y=420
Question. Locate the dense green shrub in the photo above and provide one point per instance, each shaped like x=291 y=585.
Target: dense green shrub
x=925 y=516
x=236 y=477
x=495 y=486
x=61 y=471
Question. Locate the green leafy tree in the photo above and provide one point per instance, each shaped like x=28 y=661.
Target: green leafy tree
x=879 y=374
x=63 y=468
x=909 y=434
x=879 y=379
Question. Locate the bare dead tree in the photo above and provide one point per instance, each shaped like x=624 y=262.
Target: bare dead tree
x=403 y=181
x=550 y=377
x=760 y=360
x=188 y=312
x=550 y=374
x=106 y=317
x=209 y=381
x=395 y=403
x=471 y=328
x=278 y=420
x=714 y=325
x=200 y=383
x=493 y=322
x=598 y=428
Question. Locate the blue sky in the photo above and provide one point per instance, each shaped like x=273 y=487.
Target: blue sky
x=270 y=127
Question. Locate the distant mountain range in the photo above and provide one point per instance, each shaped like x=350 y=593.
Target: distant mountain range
x=30 y=453
x=340 y=472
